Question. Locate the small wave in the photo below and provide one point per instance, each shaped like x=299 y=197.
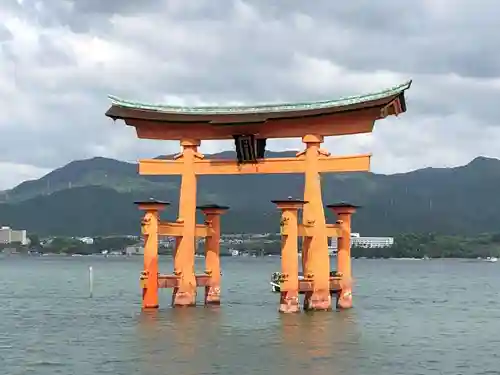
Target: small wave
x=45 y=363
x=124 y=360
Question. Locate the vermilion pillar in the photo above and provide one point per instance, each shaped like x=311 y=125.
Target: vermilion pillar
x=289 y=301
x=149 y=229
x=185 y=293
x=344 y=213
x=315 y=257
x=212 y=214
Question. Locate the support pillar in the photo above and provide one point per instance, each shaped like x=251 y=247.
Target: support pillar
x=315 y=258
x=149 y=229
x=212 y=252
x=185 y=293
x=289 y=300
x=344 y=213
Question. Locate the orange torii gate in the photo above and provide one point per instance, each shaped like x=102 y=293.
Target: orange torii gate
x=250 y=127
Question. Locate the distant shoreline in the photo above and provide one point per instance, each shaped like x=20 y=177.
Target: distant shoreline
x=139 y=256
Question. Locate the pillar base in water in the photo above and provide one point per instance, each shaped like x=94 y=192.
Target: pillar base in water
x=344 y=300
x=183 y=299
x=149 y=301
x=150 y=307
x=318 y=301
x=212 y=295
x=289 y=302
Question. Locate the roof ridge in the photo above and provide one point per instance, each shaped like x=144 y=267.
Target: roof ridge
x=260 y=108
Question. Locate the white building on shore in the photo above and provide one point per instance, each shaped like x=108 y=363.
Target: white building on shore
x=134 y=250
x=86 y=240
x=8 y=236
x=367 y=242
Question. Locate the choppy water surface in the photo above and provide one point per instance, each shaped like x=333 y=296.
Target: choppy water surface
x=410 y=317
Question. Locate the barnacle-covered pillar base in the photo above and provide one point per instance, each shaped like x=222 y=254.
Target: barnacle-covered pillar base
x=289 y=279
x=149 y=229
x=212 y=252
x=344 y=213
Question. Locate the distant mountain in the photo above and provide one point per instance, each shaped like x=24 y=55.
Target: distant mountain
x=117 y=175
x=94 y=196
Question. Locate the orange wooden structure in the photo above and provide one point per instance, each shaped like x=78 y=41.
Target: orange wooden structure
x=250 y=127
x=344 y=213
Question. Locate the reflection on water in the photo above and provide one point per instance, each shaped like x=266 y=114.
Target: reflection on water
x=178 y=338
x=410 y=317
x=197 y=341
x=317 y=342
x=203 y=340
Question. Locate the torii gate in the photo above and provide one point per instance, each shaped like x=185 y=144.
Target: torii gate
x=250 y=127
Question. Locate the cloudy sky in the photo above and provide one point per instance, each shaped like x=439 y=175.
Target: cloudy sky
x=59 y=59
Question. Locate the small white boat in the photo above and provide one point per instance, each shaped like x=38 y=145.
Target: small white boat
x=275 y=281
x=491 y=259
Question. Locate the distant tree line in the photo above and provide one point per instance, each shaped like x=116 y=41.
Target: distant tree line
x=411 y=245
x=407 y=245
x=432 y=245
x=70 y=245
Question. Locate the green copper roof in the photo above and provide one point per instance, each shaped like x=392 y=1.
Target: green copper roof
x=263 y=108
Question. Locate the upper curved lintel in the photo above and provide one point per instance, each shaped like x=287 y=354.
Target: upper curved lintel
x=262 y=108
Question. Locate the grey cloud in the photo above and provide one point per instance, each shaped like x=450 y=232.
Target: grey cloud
x=251 y=51
x=405 y=36
x=391 y=16
x=68 y=10
x=5 y=34
x=113 y=6
x=50 y=55
x=86 y=15
x=431 y=97
x=11 y=6
x=391 y=34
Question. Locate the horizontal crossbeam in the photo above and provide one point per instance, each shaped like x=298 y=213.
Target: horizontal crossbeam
x=354 y=163
x=332 y=230
x=172 y=281
x=308 y=286
x=175 y=229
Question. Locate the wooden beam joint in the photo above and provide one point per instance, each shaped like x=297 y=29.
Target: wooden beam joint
x=173 y=281
x=175 y=229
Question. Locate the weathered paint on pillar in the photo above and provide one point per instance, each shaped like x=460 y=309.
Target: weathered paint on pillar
x=344 y=213
x=289 y=300
x=212 y=252
x=315 y=258
x=185 y=293
x=149 y=229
